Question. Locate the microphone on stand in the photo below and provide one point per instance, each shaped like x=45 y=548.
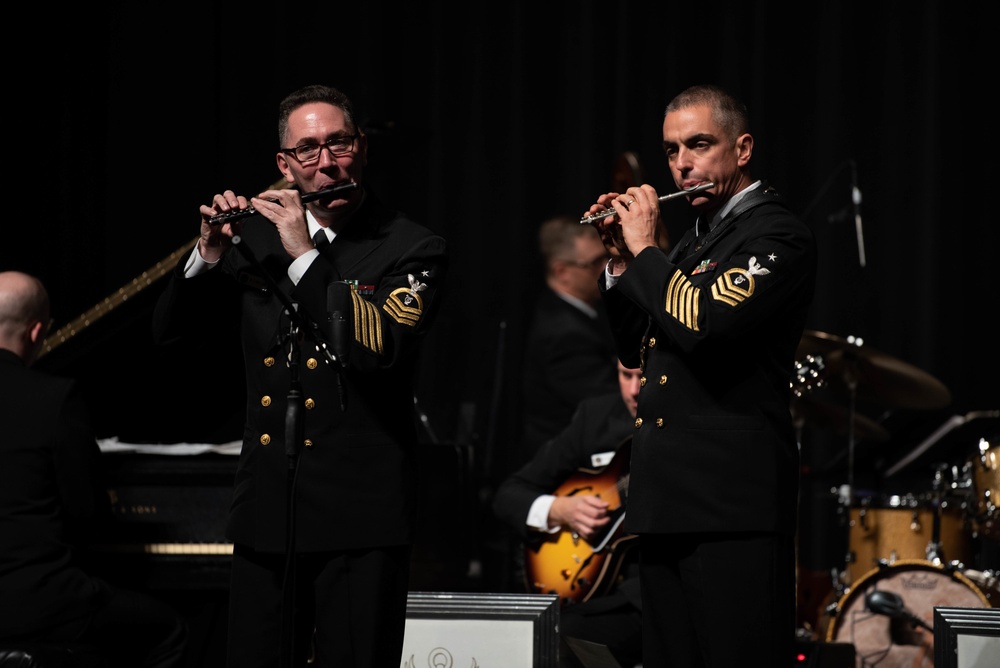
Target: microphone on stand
x=338 y=303
x=891 y=605
x=856 y=203
x=852 y=210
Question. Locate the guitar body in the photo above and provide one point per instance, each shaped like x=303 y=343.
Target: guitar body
x=571 y=567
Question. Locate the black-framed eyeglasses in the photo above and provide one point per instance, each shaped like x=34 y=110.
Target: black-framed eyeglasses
x=338 y=146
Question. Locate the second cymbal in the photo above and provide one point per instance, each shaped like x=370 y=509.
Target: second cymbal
x=837 y=418
x=874 y=376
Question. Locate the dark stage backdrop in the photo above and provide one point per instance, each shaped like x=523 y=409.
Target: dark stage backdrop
x=486 y=119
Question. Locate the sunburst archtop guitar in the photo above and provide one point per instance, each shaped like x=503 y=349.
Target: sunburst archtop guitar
x=571 y=567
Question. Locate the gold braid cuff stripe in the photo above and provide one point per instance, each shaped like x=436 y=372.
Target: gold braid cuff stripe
x=367 y=324
x=682 y=301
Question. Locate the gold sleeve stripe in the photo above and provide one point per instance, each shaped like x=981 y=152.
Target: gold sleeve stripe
x=404 y=307
x=682 y=301
x=367 y=324
x=729 y=288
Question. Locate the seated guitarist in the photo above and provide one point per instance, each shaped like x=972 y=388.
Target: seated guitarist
x=530 y=503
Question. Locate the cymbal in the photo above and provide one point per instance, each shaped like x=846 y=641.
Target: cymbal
x=832 y=416
x=875 y=376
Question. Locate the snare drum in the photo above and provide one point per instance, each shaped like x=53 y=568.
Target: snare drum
x=901 y=527
x=985 y=474
x=896 y=643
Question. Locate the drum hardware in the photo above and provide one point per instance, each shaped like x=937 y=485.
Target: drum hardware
x=988 y=581
x=984 y=480
x=872 y=375
x=933 y=550
x=866 y=373
x=950 y=424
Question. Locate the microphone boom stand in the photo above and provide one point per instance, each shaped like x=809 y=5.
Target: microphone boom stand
x=294 y=436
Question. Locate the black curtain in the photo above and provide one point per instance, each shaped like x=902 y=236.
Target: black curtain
x=484 y=121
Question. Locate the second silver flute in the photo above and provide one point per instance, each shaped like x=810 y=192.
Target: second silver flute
x=680 y=193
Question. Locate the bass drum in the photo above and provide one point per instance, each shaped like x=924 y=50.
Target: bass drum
x=895 y=643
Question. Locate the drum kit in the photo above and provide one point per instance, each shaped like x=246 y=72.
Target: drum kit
x=914 y=549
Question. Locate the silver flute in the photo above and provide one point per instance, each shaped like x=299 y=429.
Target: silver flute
x=680 y=193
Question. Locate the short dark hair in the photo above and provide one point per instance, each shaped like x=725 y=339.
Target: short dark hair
x=557 y=237
x=313 y=93
x=728 y=110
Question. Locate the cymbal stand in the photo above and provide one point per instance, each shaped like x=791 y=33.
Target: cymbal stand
x=933 y=549
x=846 y=496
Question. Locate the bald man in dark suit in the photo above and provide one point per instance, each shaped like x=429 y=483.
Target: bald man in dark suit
x=52 y=501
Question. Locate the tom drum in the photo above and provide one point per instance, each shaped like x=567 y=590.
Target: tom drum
x=902 y=527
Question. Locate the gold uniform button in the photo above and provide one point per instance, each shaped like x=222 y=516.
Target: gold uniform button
x=642 y=382
x=663 y=379
x=638 y=422
x=310 y=404
x=308 y=443
x=265 y=439
x=268 y=361
x=312 y=363
x=659 y=422
x=652 y=342
x=265 y=401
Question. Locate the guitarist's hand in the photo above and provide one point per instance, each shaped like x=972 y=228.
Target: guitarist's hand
x=582 y=514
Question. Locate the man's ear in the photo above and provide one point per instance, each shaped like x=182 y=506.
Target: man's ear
x=31 y=345
x=37 y=332
x=744 y=149
x=285 y=170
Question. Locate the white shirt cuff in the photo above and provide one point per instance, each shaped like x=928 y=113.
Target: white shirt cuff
x=538 y=514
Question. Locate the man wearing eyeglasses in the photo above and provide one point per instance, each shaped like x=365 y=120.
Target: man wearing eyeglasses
x=333 y=297
x=569 y=352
